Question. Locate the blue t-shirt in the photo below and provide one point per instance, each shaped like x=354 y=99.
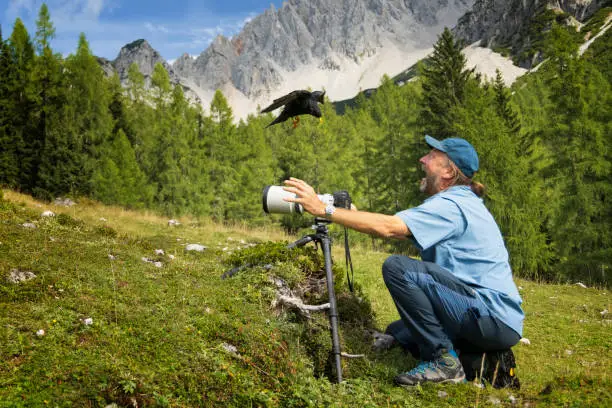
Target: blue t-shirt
x=455 y=230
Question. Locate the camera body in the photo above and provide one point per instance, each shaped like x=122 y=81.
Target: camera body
x=274 y=203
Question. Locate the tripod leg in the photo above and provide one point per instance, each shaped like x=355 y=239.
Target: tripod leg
x=333 y=310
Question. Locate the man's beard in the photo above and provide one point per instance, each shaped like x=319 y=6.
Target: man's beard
x=429 y=184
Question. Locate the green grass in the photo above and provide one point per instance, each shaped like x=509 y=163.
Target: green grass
x=159 y=335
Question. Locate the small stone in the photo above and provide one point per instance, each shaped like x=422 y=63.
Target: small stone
x=494 y=401
x=442 y=394
x=112 y=257
x=568 y=352
x=224 y=249
x=513 y=400
x=17 y=276
x=40 y=333
x=159 y=252
x=52 y=239
x=173 y=223
x=48 y=214
x=229 y=348
x=103 y=219
x=88 y=321
x=525 y=341
x=207 y=310
x=242 y=241
x=604 y=313
x=158 y=264
x=171 y=256
x=29 y=225
x=195 y=247
x=520 y=288
x=582 y=285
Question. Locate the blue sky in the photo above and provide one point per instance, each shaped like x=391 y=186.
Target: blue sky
x=172 y=27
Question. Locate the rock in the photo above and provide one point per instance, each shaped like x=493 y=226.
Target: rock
x=582 y=285
x=88 y=321
x=525 y=341
x=568 y=352
x=229 y=348
x=64 y=202
x=158 y=264
x=382 y=341
x=513 y=400
x=173 y=223
x=171 y=256
x=103 y=219
x=29 y=225
x=195 y=247
x=604 y=313
x=442 y=394
x=494 y=401
x=112 y=257
x=40 y=333
x=17 y=276
x=159 y=252
x=48 y=214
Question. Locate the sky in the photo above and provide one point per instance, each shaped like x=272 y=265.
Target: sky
x=172 y=27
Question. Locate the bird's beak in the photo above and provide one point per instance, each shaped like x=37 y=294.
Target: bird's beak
x=322 y=98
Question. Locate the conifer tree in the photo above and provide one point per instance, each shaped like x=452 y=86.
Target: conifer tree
x=9 y=153
x=54 y=153
x=140 y=118
x=444 y=77
x=18 y=139
x=87 y=110
x=222 y=147
x=579 y=139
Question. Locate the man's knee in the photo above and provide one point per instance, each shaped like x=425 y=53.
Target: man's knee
x=400 y=267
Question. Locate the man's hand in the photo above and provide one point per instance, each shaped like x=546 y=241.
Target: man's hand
x=306 y=196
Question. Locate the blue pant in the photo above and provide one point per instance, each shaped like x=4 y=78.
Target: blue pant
x=439 y=312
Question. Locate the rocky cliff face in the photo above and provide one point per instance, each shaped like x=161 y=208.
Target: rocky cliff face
x=510 y=23
x=321 y=43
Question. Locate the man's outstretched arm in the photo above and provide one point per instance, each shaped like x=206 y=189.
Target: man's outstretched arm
x=382 y=225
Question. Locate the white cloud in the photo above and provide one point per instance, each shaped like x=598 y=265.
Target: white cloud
x=106 y=32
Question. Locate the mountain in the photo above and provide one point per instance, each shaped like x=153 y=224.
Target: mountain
x=341 y=46
x=143 y=54
x=345 y=46
x=516 y=26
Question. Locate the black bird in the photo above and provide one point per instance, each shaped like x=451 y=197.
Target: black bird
x=296 y=103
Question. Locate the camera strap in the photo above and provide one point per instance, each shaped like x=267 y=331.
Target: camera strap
x=347 y=255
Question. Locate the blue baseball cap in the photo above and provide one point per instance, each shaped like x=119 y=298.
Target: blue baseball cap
x=459 y=150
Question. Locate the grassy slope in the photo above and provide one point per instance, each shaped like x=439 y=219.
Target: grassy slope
x=158 y=334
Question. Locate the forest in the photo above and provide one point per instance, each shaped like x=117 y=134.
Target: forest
x=68 y=130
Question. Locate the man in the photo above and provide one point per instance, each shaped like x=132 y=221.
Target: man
x=462 y=291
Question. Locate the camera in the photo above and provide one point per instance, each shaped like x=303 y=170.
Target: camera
x=273 y=202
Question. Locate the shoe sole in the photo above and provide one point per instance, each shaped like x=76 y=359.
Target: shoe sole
x=460 y=380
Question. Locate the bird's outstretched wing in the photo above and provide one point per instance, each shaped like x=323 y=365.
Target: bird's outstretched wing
x=283 y=100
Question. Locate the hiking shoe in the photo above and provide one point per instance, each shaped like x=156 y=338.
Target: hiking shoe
x=497 y=369
x=445 y=369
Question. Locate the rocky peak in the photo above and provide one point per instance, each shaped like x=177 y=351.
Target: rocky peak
x=318 y=33
x=141 y=53
x=508 y=23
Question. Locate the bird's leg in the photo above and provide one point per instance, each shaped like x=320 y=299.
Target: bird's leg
x=296 y=120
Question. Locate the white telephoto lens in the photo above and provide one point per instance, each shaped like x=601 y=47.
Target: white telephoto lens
x=273 y=202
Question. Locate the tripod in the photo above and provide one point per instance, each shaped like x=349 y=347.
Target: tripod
x=321 y=237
